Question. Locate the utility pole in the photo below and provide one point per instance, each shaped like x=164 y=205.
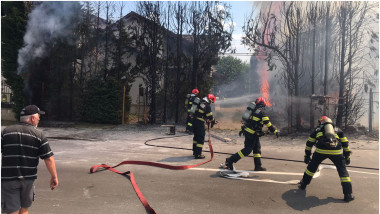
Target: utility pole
x=370 y=110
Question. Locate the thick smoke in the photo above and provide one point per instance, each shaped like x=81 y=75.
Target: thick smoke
x=48 y=22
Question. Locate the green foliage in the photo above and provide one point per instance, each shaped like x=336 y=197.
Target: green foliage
x=13 y=24
x=102 y=101
x=230 y=68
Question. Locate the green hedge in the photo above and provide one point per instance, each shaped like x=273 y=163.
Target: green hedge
x=102 y=101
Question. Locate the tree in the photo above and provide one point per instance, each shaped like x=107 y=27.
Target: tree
x=211 y=30
x=121 y=50
x=13 y=25
x=148 y=35
x=281 y=41
x=180 y=57
x=228 y=70
x=102 y=101
x=354 y=20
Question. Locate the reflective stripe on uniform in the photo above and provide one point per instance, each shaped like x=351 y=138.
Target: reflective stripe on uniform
x=255 y=118
x=275 y=131
x=201 y=111
x=328 y=152
x=200 y=145
x=319 y=134
x=312 y=139
x=343 y=139
x=257 y=155
x=346 y=149
x=200 y=119
x=265 y=118
x=189 y=124
x=345 y=179
x=308 y=148
x=240 y=154
x=309 y=173
x=195 y=142
x=249 y=130
x=209 y=114
x=269 y=124
x=336 y=136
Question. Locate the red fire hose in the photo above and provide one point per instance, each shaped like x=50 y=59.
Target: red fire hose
x=147 y=163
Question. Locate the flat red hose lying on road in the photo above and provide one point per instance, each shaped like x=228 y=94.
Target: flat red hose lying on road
x=147 y=163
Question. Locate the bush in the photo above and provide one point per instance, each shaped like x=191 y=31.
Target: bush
x=102 y=101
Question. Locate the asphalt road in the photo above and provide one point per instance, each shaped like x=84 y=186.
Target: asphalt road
x=197 y=190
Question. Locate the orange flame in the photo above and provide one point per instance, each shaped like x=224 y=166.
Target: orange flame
x=263 y=67
x=265 y=91
x=264 y=76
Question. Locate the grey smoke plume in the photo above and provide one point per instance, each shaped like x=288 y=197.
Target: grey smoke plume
x=47 y=22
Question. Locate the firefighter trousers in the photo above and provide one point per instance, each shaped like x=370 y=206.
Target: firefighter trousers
x=340 y=164
x=251 y=144
x=199 y=136
x=189 y=123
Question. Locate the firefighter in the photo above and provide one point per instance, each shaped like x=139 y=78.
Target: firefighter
x=252 y=130
x=328 y=141
x=203 y=114
x=188 y=103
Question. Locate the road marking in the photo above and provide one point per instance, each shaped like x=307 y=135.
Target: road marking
x=333 y=167
x=254 y=172
x=316 y=175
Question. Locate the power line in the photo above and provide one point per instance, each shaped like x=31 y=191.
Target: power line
x=242 y=54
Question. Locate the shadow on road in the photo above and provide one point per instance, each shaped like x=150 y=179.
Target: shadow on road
x=298 y=200
x=178 y=159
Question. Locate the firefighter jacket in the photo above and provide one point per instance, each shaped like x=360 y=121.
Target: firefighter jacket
x=324 y=146
x=204 y=112
x=190 y=101
x=256 y=122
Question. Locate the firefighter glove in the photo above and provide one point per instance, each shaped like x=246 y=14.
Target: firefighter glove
x=348 y=160
x=347 y=156
x=307 y=159
x=213 y=122
x=277 y=133
x=241 y=132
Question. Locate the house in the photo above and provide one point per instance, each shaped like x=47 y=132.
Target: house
x=139 y=91
x=6 y=102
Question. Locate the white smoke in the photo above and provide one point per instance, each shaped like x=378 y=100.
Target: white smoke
x=47 y=22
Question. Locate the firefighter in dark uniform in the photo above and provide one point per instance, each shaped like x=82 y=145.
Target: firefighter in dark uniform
x=252 y=130
x=202 y=115
x=188 y=103
x=329 y=141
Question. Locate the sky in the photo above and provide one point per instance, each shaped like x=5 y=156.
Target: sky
x=240 y=11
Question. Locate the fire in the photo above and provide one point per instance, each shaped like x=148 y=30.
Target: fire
x=264 y=76
x=265 y=91
x=262 y=65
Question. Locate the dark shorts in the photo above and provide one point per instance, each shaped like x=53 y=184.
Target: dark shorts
x=16 y=194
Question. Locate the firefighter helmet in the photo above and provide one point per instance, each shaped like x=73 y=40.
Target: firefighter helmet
x=195 y=91
x=322 y=119
x=260 y=102
x=211 y=97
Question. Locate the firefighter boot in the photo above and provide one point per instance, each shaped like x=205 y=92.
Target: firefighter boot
x=229 y=164
x=258 y=166
x=348 y=197
x=199 y=157
x=301 y=185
